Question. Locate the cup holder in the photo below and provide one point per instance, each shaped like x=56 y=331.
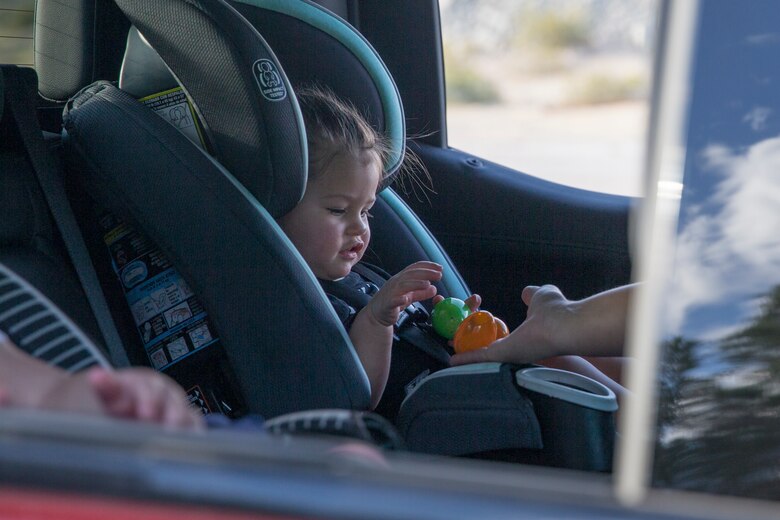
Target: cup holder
x=567 y=386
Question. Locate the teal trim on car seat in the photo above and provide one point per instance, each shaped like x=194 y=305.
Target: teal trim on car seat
x=339 y=29
x=450 y=279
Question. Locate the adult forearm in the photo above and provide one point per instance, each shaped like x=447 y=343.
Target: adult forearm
x=599 y=323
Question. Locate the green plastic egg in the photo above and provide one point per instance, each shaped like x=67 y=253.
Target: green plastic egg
x=447 y=315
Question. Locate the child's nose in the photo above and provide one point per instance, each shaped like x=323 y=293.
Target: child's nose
x=357 y=226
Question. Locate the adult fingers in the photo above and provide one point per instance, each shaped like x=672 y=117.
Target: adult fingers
x=151 y=401
x=528 y=294
x=179 y=415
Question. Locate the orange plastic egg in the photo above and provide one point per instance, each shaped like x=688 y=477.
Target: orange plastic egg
x=478 y=330
x=502 y=330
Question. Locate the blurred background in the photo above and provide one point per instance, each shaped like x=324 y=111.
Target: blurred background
x=554 y=88
x=16 y=31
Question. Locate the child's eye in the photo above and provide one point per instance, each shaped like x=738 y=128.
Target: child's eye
x=367 y=214
x=336 y=211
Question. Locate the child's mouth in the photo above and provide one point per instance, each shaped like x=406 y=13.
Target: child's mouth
x=352 y=252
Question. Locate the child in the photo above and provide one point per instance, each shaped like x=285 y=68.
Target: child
x=330 y=228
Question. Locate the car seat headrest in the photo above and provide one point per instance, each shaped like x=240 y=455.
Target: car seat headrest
x=76 y=43
x=238 y=90
x=316 y=46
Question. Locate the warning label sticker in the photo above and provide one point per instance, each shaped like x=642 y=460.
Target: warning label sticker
x=171 y=321
x=173 y=106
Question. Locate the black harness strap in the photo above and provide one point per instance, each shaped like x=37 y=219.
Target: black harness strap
x=412 y=324
x=21 y=84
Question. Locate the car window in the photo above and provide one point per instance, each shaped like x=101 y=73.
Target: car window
x=558 y=90
x=16 y=31
x=718 y=420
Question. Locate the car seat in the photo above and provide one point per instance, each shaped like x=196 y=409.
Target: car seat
x=282 y=339
x=367 y=83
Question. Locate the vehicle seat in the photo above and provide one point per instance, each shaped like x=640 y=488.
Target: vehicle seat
x=36 y=279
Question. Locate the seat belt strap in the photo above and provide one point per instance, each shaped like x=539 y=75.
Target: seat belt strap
x=21 y=86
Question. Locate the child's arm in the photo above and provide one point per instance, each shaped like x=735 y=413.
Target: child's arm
x=372 y=330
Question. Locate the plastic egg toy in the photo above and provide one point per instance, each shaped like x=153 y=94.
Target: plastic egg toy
x=447 y=315
x=478 y=330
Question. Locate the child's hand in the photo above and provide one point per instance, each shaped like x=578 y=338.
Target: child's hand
x=410 y=285
x=145 y=395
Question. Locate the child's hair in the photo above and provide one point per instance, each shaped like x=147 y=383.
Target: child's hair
x=336 y=126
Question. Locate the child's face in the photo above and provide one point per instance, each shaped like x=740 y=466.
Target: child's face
x=330 y=225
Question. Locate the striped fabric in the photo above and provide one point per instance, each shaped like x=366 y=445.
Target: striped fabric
x=39 y=328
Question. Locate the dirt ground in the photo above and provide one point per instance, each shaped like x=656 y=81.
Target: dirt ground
x=598 y=147
x=537 y=129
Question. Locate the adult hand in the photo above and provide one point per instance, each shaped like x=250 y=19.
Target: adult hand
x=535 y=338
x=558 y=326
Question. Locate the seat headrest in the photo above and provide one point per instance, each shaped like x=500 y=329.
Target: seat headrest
x=76 y=43
x=314 y=46
x=238 y=89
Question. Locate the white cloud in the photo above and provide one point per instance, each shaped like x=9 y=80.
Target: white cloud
x=763 y=38
x=757 y=118
x=731 y=248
